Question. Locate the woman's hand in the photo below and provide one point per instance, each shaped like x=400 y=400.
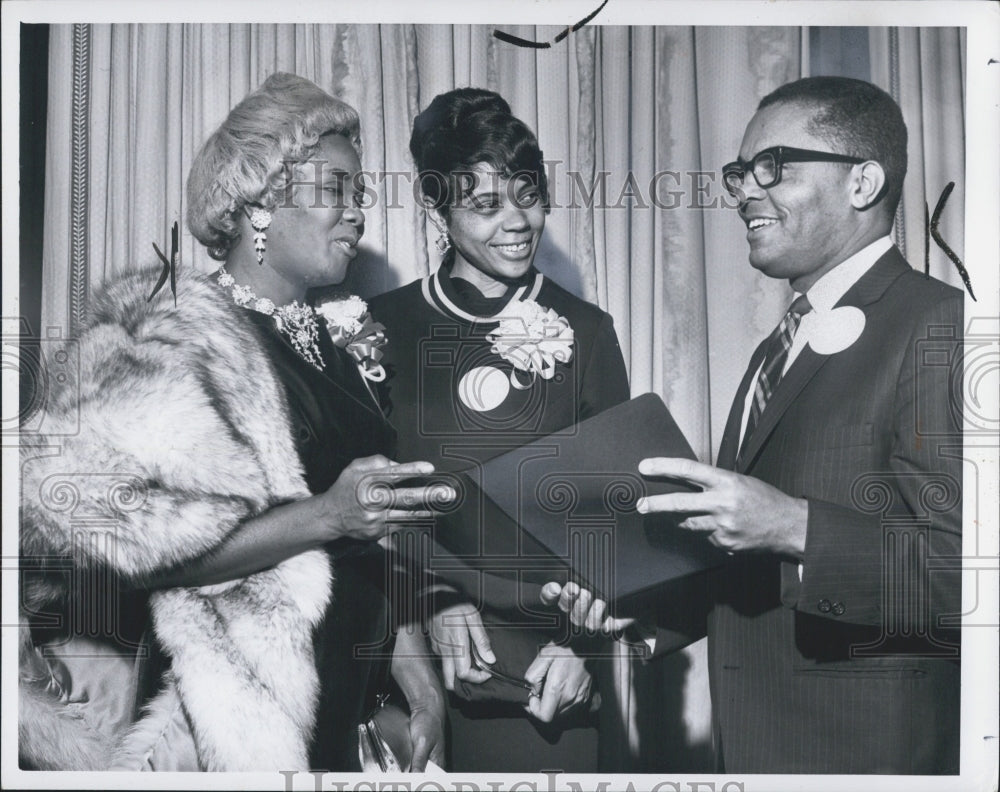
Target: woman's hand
x=583 y=609
x=563 y=679
x=413 y=672
x=426 y=734
x=453 y=631
x=365 y=503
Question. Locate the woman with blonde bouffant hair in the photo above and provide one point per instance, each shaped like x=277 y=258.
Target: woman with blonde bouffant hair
x=243 y=571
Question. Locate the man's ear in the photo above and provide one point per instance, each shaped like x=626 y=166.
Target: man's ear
x=868 y=185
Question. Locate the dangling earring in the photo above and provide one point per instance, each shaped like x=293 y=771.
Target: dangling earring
x=443 y=242
x=260 y=219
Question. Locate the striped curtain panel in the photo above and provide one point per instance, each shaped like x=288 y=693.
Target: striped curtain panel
x=924 y=70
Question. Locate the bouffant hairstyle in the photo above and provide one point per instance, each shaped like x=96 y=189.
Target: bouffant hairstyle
x=462 y=128
x=857 y=119
x=250 y=158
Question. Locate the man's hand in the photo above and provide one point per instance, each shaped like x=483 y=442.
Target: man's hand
x=563 y=679
x=583 y=610
x=739 y=513
x=453 y=630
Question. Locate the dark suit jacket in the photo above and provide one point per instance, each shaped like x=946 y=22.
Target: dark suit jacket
x=853 y=669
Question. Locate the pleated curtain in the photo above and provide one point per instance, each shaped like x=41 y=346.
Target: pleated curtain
x=924 y=70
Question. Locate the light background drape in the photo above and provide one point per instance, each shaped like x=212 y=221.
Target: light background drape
x=647 y=114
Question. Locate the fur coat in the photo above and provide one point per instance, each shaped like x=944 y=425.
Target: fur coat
x=173 y=433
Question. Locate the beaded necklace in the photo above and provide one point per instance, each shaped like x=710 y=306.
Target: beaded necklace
x=295 y=320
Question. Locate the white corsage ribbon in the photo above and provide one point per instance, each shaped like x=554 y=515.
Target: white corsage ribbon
x=353 y=330
x=532 y=339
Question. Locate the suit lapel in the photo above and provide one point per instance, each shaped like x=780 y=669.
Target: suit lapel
x=873 y=284
x=869 y=289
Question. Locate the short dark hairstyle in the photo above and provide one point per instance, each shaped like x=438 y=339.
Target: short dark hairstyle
x=857 y=118
x=466 y=126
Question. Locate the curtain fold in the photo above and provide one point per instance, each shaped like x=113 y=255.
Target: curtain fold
x=924 y=70
x=634 y=124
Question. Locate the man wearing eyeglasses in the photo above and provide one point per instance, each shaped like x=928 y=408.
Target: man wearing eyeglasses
x=833 y=632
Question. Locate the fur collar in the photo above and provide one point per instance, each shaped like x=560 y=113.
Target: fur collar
x=174 y=432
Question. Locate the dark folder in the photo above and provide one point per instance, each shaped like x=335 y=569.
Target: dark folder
x=563 y=507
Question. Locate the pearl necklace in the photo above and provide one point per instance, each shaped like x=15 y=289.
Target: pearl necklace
x=297 y=321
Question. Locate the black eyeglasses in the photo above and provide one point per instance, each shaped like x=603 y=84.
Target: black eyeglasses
x=766 y=166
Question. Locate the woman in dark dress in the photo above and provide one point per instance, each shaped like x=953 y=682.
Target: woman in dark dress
x=488 y=355
x=259 y=462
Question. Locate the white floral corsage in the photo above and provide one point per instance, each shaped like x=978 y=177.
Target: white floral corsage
x=353 y=329
x=533 y=339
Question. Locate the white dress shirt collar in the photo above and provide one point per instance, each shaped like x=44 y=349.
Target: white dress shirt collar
x=827 y=291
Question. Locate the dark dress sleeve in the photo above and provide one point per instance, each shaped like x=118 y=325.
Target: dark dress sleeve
x=604 y=381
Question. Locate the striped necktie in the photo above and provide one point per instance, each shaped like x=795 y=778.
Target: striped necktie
x=774 y=363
